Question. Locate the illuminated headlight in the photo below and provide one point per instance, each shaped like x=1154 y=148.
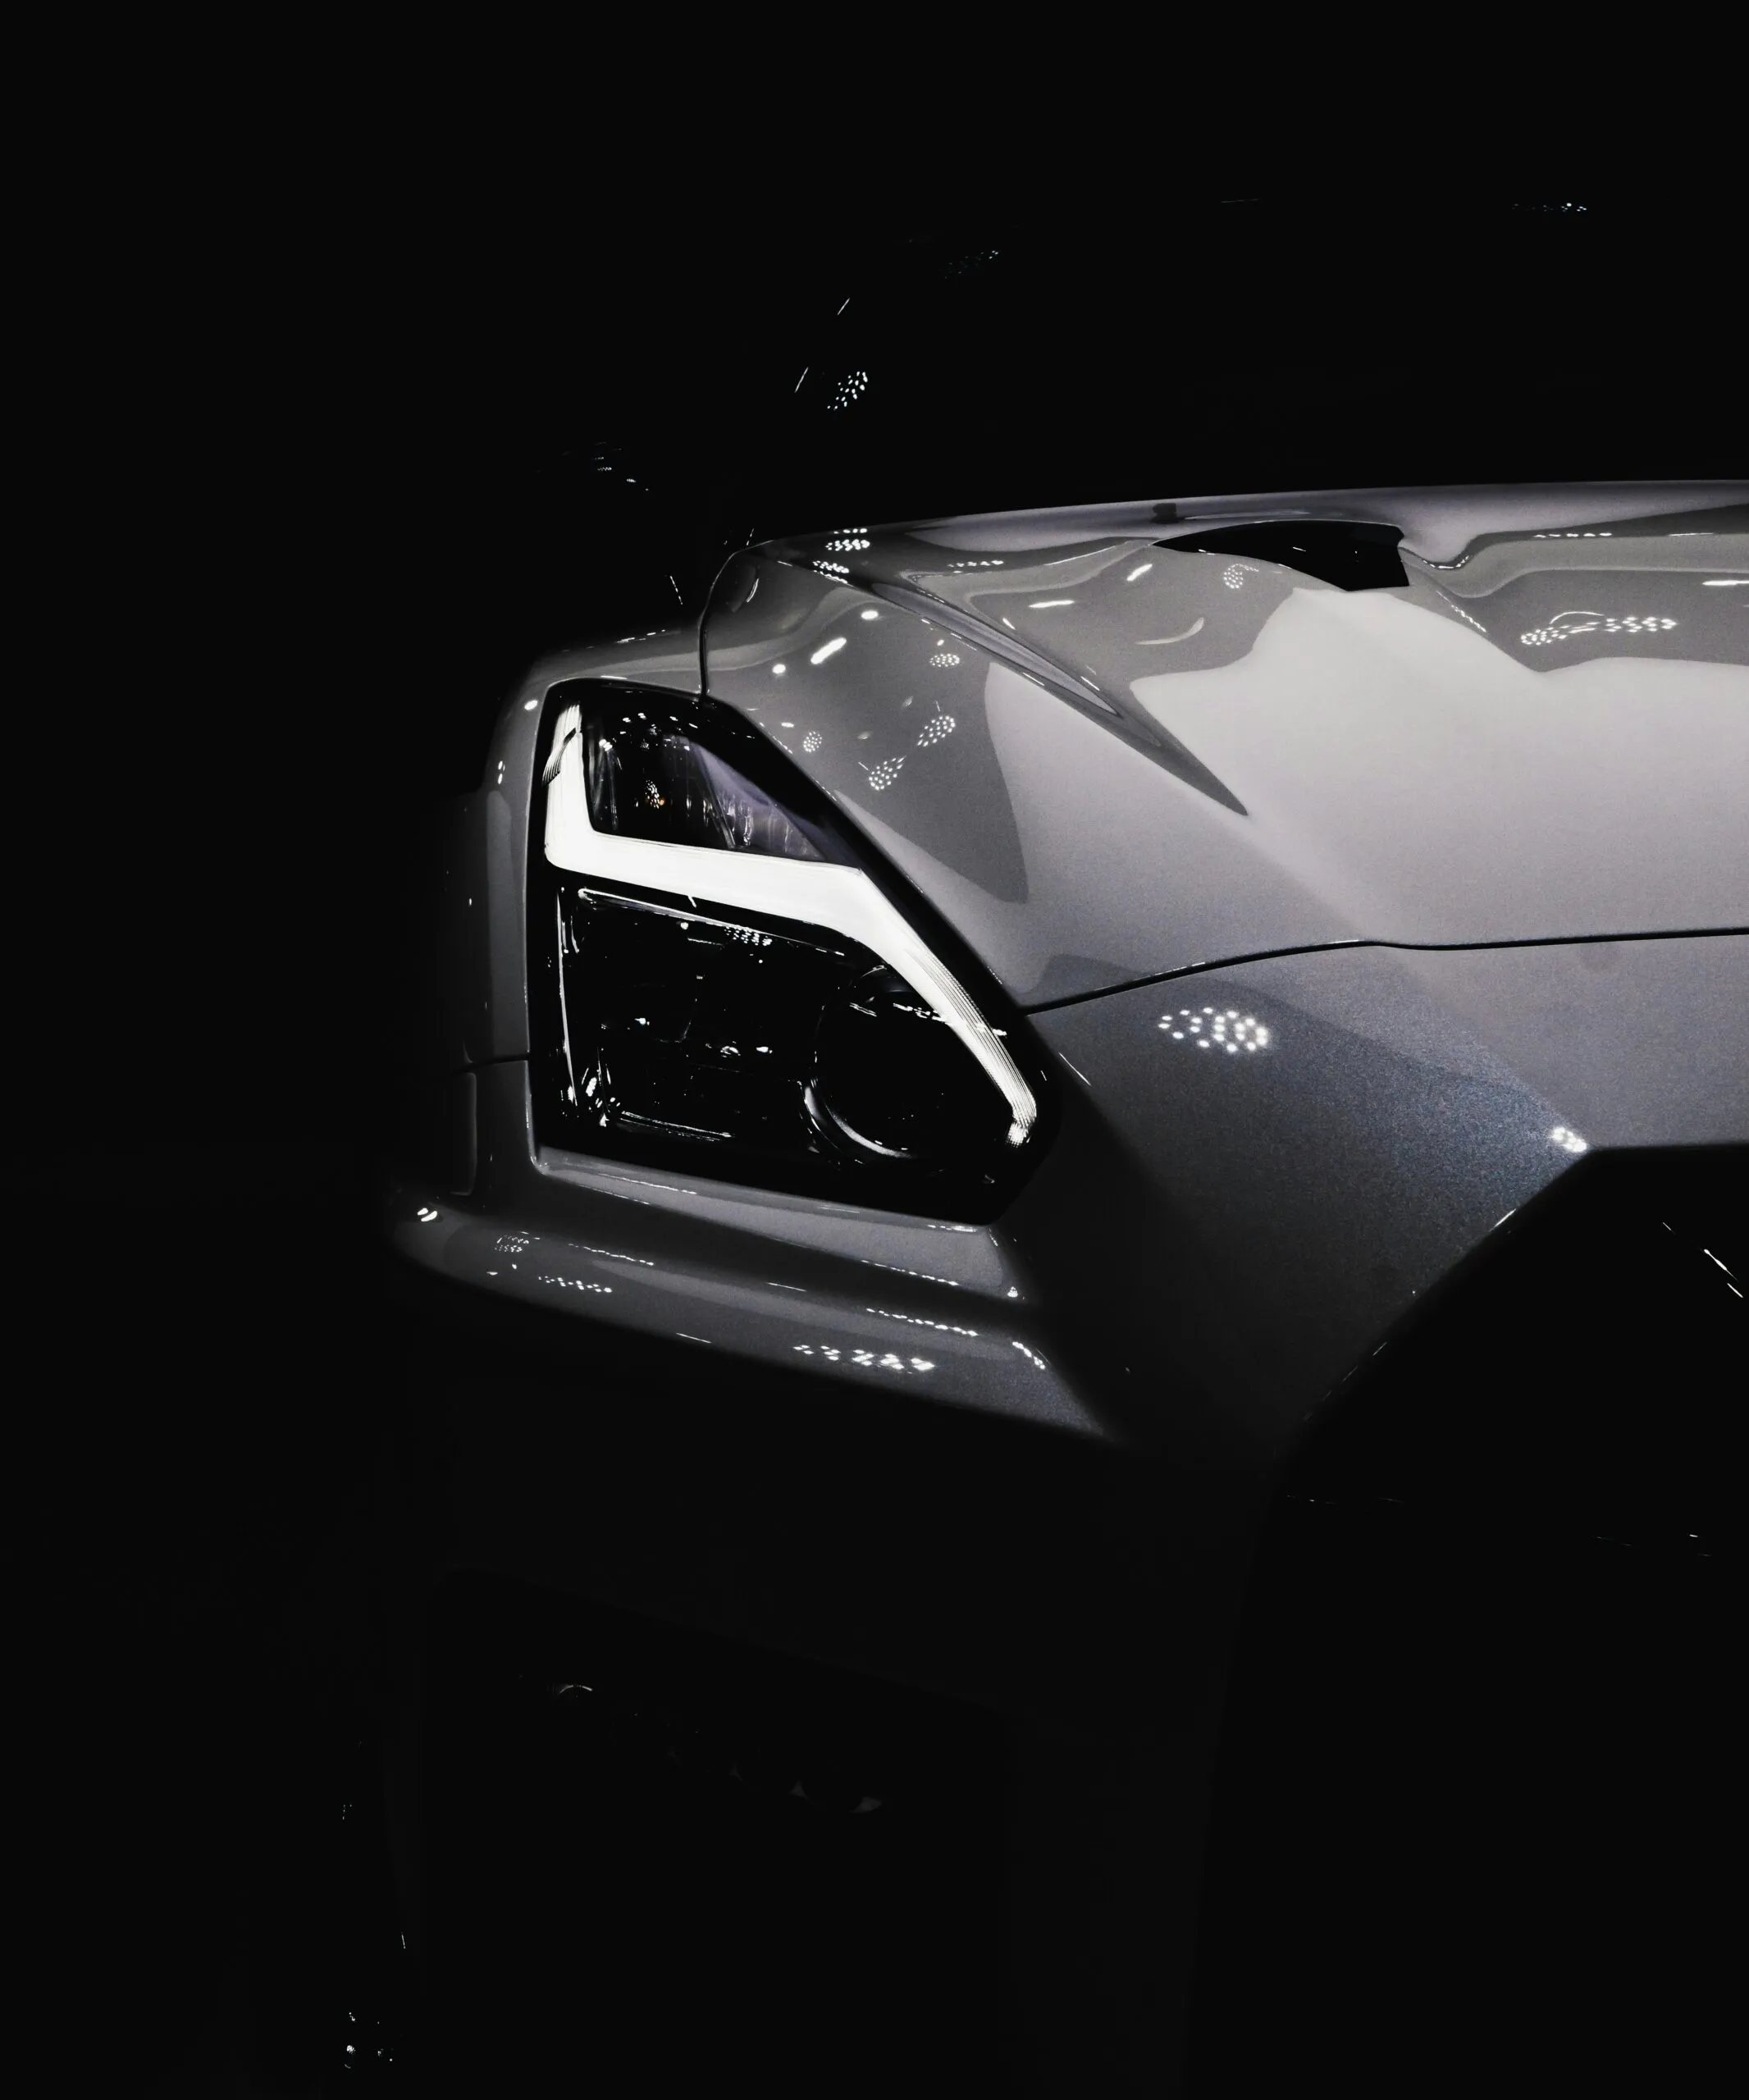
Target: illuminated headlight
x=720 y=981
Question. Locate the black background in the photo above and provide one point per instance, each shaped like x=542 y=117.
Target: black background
x=313 y=439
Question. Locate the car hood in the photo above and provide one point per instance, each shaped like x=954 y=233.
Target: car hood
x=1111 y=744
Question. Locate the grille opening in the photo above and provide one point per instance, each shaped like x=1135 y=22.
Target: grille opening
x=657 y=1853
x=1576 y=1379
x=1473 y=1785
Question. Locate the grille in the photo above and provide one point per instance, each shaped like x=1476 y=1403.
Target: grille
x=1474 y=1782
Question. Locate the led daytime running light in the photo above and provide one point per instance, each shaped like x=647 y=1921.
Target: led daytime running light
x=819 y=893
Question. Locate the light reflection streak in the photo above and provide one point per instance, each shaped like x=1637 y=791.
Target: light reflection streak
x=922 y=1276
x=867 y=1359
x=1564 y=625
x=912 y=1320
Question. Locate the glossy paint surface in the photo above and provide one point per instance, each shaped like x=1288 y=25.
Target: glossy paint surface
x=1219 y=1232
x=1216 y=1237
x=1283 y=1157
x=1262 y=1168
x=1177 y=757
x=860 y=1296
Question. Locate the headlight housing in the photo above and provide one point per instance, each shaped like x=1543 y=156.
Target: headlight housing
x=723 y=980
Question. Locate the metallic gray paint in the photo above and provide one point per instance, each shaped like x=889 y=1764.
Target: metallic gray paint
x=1286 y=764
x=1251 y=1223
x=1216 y=1238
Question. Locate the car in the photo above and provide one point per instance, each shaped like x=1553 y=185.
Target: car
x=1074 y=1248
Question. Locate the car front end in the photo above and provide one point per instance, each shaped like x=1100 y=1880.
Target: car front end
x=962 y=1098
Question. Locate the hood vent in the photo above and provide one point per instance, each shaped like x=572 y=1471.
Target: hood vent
x=1352 y=556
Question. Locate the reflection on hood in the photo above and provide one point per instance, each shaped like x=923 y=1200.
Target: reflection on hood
x=1106 y=756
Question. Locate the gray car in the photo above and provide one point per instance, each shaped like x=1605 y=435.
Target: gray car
x=1081 y=1176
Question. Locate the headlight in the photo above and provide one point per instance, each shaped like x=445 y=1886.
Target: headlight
x=720 y=981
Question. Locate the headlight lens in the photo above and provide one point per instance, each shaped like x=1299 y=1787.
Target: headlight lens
x=647 y=775
x=719 y=983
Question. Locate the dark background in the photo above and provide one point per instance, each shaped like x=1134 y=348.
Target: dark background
x=321 y=461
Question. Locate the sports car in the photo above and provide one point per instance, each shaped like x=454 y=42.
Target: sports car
x=1075 y=1217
